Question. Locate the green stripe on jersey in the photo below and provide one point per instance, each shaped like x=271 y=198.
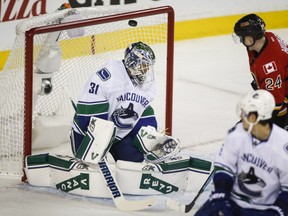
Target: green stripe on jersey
x=92 y=109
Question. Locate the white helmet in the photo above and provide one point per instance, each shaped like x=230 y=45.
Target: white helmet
x=260 y=101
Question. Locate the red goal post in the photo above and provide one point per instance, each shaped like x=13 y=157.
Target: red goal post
x=161 y=33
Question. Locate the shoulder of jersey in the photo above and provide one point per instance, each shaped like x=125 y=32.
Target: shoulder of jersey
x=237 y=128
x=236 y=133
x=280 y=139
x=276 y=47
x=111 y=70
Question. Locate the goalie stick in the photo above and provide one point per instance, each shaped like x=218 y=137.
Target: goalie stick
x=177 y=206
x=119 y=200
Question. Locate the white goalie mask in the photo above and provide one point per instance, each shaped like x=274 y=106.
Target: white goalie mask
x=139 y=59
x=260 y=101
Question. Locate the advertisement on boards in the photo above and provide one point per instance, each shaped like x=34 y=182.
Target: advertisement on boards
x=14 y=11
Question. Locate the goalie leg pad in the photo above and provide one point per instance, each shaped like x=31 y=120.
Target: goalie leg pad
x=73 y=176
x=182 y=174
x=67 y=174
x=146 y=179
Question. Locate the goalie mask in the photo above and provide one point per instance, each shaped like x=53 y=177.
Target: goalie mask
x=139 y=59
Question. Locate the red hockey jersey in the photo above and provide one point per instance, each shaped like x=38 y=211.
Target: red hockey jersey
x=269 y=68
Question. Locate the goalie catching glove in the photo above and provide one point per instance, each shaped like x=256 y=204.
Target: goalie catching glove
x=157 y=147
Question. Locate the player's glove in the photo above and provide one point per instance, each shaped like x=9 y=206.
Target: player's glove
x=276 y=211
x=254 y=85
x=221 y=204
x=280 y=207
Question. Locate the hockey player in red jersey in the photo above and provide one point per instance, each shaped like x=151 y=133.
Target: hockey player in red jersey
x=268 y=60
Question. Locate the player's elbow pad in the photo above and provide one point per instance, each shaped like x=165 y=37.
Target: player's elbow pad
x=254 y=85
x=223 y=181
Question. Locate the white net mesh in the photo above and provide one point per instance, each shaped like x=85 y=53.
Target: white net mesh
x=81 y=56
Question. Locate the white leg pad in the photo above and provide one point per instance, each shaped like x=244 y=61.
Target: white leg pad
x=146 y=179
x=64 y=173
x=69 y=175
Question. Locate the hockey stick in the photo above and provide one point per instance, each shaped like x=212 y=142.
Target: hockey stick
x=177 y=206
x=118 y=198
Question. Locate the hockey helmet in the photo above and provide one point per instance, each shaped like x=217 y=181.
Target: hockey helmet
x=139 y=59
x=250 y=25
x=260 y=101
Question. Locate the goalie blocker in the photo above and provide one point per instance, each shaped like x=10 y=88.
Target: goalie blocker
x=164 y=173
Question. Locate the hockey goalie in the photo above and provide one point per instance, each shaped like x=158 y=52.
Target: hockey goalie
x=114 y=117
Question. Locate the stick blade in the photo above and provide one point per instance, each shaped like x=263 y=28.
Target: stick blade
x=134 y=205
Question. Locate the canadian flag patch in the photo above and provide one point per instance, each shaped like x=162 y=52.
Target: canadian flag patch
x=269 y=67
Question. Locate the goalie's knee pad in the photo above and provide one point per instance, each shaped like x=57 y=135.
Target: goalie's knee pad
x=157 y=147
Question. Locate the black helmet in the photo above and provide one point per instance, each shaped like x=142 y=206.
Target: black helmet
x=250 y=25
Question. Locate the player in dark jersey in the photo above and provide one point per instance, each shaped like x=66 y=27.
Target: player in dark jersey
x=268 y=61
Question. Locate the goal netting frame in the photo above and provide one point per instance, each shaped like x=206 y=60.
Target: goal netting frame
x=29 y=67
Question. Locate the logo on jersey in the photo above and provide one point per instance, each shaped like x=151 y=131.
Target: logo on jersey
x=133 y=97
x=250 y=183
x=270 y=67
x=120 y=115
x=104 y=74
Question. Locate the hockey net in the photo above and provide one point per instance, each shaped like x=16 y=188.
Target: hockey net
x=28 y=128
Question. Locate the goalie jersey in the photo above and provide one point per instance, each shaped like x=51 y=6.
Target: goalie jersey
x=111 y=94
x=259 y=168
